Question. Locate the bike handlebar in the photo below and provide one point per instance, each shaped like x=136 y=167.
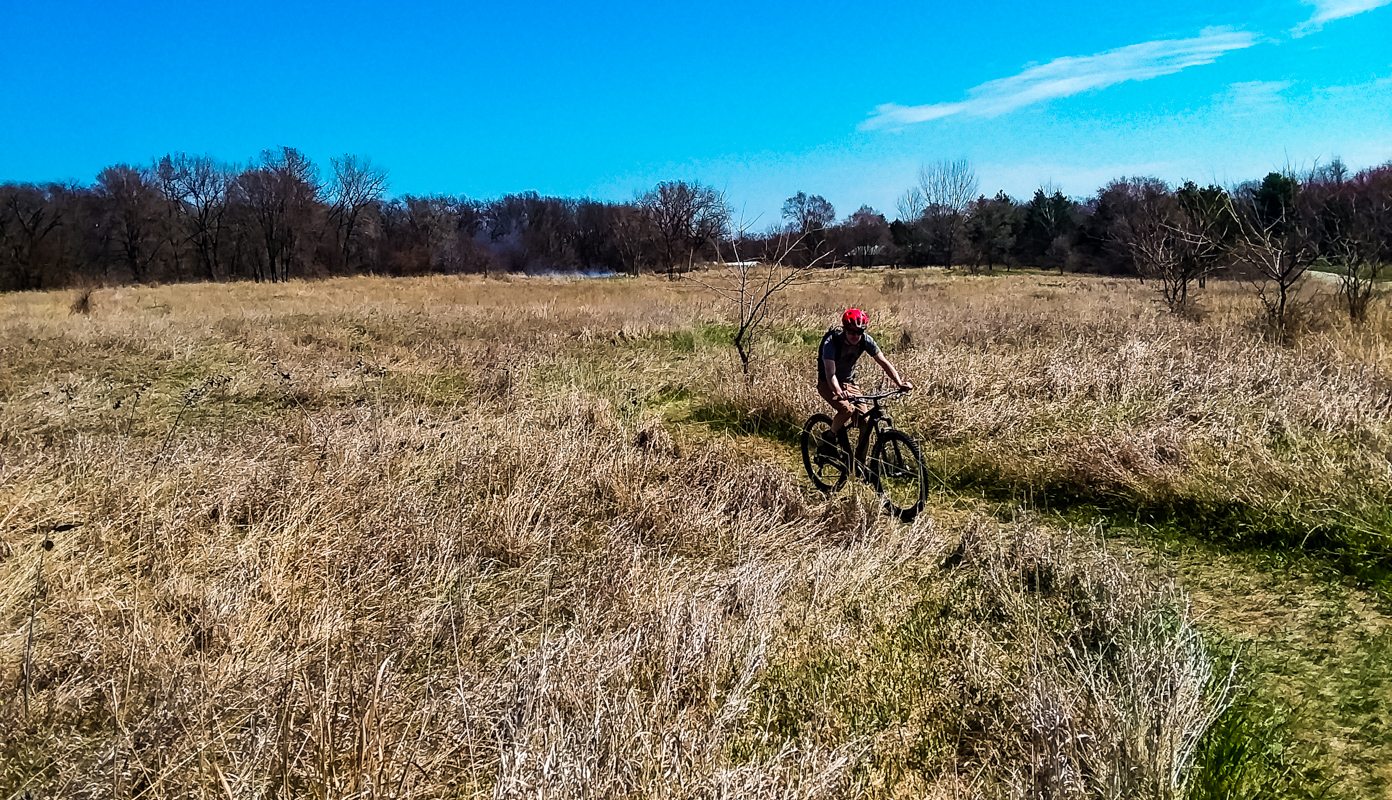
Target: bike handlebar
x=881 y=396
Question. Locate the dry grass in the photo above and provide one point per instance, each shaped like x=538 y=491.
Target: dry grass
x=447 y=537
x=1081 y=389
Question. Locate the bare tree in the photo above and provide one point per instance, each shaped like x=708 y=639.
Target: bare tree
x=634 y=237
x=27 y=217
x=751 y=287
x=1280 y=261
x=175 y=231
x=131 y=208
x=867 y=231
x=282 y=192
x=687 y=217
x=947 y=189
x=911 y=205
x=1335 y=172
x=1148 y=235
x=1358 y=271
x=808 y=213
x=1274 y=240
x=1355 y=230
x=1168 y=247
x=204 y=184
x=948 y=186
x=355 y=186
x=810 y=216
x=1170 y=238
x=1353 y=224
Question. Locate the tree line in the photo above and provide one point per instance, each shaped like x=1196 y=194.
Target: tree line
x=193 y=218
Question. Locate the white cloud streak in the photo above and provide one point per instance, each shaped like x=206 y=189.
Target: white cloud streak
x=1072 y=75
x=1252 y=97
x=1330 y=10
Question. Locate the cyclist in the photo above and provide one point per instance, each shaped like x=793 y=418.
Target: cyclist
x=836 y=372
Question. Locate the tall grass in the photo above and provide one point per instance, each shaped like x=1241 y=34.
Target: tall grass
x=1087 y=393
x=454 y=538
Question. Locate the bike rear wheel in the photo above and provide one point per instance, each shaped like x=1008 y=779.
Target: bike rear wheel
x=899 y=473
x=828 y=473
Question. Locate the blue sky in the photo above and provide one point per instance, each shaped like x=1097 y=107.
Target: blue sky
x=759 y=100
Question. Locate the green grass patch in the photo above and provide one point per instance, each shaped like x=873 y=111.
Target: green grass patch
x=434 y=390
x=666 y=396
x=806 y=338
x=682 y=341
x=783 y=338
x=1274 y=740
x=1291 y=532
x=1356 y=541
x=772 y=424
x=839 y=695
x=718 y=333
x=584 y=373
x=1247 y=754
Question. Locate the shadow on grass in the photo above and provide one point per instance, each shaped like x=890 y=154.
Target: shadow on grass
x=771 y=424
x=718 y=335
x=1355 y=542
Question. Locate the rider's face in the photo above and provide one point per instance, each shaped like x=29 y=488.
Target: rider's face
x=853 y=336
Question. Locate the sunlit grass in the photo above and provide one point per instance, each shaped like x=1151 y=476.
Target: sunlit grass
x=450 y=536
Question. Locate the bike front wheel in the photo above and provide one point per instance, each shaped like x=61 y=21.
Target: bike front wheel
x=828 y=471
x=899 y=474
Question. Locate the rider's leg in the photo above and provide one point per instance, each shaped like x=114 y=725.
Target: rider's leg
x=844 y=408
x=839 y=421
x=863 y=427
x=835 y=439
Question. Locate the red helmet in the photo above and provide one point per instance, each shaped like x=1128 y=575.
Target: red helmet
x=854 y=319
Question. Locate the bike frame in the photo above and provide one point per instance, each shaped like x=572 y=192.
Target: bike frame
x=901 y=467
x=874 y=419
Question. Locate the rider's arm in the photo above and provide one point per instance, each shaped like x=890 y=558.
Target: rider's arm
x=829 y=370
x=891 y=371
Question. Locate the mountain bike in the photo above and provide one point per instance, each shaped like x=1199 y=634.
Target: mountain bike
x=894 y=467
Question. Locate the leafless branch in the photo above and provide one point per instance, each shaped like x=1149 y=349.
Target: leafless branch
x=752 y=287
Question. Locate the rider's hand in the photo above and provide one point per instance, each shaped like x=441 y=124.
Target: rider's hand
x=906 y=386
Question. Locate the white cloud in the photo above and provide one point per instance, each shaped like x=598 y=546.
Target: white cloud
x=1329 y=10
x=1072 y=75
x=1250 y=97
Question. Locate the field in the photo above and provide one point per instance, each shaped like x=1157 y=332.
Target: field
x=454 y=537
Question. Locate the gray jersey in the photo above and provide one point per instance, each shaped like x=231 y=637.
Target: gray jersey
x=836 y=348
